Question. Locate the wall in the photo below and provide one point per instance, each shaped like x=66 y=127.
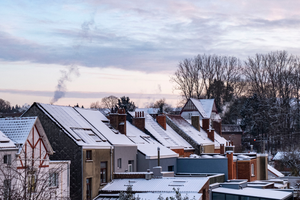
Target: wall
x=244 y=170
x=236 y=138
x=203 y=165
x=126 y=153
x=209 y=149
x=65 y=149
x=63 y=170
x=143 y=164
x=91 y=169
x=205 y=191
x=262 y=166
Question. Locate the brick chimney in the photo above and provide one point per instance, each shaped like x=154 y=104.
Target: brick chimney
x=205 y=124
x=210 y=132
x=222 y=149
x=195 y=122
x=229 y=155
x=118 y=120
x=139 y=120
x=122 y=121
x=217 y=125
x=161 y=120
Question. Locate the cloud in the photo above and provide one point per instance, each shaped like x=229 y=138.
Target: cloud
x=151 y=36
x=90 y=95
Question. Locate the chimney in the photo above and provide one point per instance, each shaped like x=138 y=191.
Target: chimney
x=139 y=120
x=222 y=149
x=211 y=134
x=122 y=121
x=114 y=120
x=229 y=155
x=205 y=124
x=218 y=127
x=161 y=120
x=195 y=122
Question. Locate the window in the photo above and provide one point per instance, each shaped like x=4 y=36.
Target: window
x=7 y=159
x=53 y=179
x=130 y=165
x=7 y=188
x=171 y=168
x=88 y=155
x=119 y=162
x=88 y=188
x=31 y=183
x=252 y=170
x=103 y=172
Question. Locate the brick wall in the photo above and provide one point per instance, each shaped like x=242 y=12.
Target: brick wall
x=161 y=120
x=205 y=191
x=139 y=123
x=179 y=151
x=244 y=170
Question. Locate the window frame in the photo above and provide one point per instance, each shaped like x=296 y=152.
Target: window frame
x=103 y=172
x=119 y=163
x=7 y=159
x=88 y=193
x=88 y=155
x=55 y=177
x=252 y=170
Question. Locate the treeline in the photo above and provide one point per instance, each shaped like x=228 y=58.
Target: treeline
x=262 y=91
x=5 y=107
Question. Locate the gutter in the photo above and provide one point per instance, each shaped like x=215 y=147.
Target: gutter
x=111 y=164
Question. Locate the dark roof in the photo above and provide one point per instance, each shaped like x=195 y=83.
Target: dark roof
x=231 y=128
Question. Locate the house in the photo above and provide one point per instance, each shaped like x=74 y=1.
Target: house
x=239 y=189
x=233 y=133
x=194 y=186
x=147 y=156
x=75 y=139
x=124 y=150
x=203 y=113
x=198 y=138
x=26 y=151
x=155 y=125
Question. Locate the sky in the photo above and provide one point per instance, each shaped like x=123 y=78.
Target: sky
x=95 y=48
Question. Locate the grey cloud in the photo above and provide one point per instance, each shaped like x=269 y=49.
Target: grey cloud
x=90 y=95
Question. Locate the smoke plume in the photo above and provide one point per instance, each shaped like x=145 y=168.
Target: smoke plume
x=61 y=85
x=84 y=36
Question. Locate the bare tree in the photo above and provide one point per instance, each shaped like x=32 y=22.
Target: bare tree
x=109 y=102
x=32 y=182
x=194 y=77
x=95 y=105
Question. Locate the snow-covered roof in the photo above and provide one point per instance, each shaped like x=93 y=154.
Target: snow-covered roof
x=254 y=192
x=146 y=144
x=95 y=118
x=219 y=139
x=150 y=151
x=275 y=171
x=207 y=105
x=74 y=125
x=198 y=136
x=17 y=129
x=199 y=107
x=5 y=142
x=148 y=195
x=165 y=184
x=279 y=155
x=165 y=137
x=138 y=136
